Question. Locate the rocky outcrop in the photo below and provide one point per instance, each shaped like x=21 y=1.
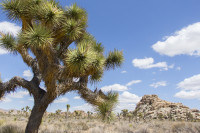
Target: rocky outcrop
x=152 y=107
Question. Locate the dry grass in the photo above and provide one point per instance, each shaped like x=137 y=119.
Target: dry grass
x=58 y=124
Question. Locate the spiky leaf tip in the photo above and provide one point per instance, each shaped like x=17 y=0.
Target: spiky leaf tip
x=8 y=42
x=36 y=36
x=79 y=59
x=114 y=59
x=76 y=13
x=73 y=29
x=50 y=14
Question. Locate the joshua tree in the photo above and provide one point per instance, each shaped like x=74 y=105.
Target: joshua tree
x=130 y=116
x=68 y=106
x=105 y=108
x=88 y=114
x=58 y=112
x=125 y=113
x=48 y=31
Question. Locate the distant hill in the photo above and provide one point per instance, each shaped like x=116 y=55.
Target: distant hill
x=152 y=107
x=3 y=110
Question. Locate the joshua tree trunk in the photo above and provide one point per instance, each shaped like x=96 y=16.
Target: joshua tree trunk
x=35 y=118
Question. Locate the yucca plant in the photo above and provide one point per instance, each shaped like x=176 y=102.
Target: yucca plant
x=68 y=106
x=105 y=109
x=48 y=30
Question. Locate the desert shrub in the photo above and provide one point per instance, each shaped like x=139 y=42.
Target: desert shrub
x=83 y=126
x=176 y=128
x=143 y=130
x=2 y=122
x=185 y=128
x=11 y=129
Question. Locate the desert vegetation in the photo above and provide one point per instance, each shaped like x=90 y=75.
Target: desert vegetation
x=48 y=31
x=55 y=44
x=80 y=122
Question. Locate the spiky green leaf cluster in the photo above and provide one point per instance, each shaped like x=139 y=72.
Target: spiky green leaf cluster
x=76 y=13
x=8 y=42
x=50 y=14
x=73 y=29
x=49 y=28
x=114 y=59
x=105 y=109
x=83 y=60
x=36 y=36
x=18 y=9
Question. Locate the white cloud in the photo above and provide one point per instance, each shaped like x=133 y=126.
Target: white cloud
x=185 y=41
x=77 y=97
x=127 y=97
x=158 y=84
x=28 y=74
x=31 y=99
x=19 y=94
x=6 y=100
x=7 y=27
x=128 y=101
x=61 y=100
x=148 y=63
x=114 y=87
x=188 y=94
x=133 y=82
x=190 y=88
x=123 y=71
x=178 y=68
x=85 y=107
x=3 y=51
x=192 y=83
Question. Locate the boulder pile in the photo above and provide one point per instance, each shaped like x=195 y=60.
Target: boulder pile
x=152 y=107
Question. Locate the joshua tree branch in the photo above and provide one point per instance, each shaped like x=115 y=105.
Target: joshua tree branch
x=12 y=84
x=31 y=63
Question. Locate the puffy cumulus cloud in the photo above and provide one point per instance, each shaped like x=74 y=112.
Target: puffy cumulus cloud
x=127 y=97
x=148 y=63
x=61 y=100
x=192 y=83
x=85 y=107
x=158 y=84
x=28 y=74
x=133 y=82
x=7 y=27
x=128 y=101
x=185 y=41
x=190 y=88
x=77 y=97
x=19 y=94
x=188 y=94
x=6 y=100
x=114 y=87
x=3 y=51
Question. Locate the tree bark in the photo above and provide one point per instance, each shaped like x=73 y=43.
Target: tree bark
x=35 y=118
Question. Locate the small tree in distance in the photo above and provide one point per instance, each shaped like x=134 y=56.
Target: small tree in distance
x=47 y=32
x=68 y=106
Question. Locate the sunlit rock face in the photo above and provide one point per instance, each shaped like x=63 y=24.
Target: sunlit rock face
x=152 y=107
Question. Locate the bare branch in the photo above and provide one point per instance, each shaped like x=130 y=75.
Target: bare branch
x=12 y=84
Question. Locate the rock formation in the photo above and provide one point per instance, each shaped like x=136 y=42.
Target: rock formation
x=152 y=107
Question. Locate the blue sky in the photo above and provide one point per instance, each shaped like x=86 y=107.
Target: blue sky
x=161 y=44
